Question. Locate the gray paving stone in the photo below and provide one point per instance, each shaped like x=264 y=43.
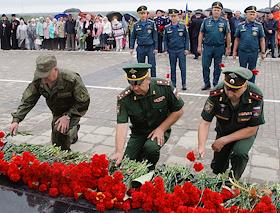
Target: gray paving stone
x=39 y=140
x=87 y=129
x=264 y=161
x=20 y=138
x=105 y=70
x=259 y=174
x=93 y=139
x=101 y=149
x=104 y=131
x=173 y=160
x=81 y=147
x=109 y=141
x=189 y=143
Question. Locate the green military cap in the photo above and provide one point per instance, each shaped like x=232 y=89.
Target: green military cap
x=136 y=72
x=218 y=5
x=173 y=11
x=142 y=9
x=250 y=9
x=44 y=65
x=236 y=77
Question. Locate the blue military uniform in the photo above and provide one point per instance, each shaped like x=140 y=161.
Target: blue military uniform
x=249 y=34
x=146 y=34
x=176 y=41
x=270 y=24
x=160 y=24
x=213 y=46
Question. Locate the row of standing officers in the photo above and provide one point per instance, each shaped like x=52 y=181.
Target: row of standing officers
x=214 y=40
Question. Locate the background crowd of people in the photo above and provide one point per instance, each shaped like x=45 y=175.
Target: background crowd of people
x=95 y=32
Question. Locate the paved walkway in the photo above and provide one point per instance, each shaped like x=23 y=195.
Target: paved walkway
x=104 y=77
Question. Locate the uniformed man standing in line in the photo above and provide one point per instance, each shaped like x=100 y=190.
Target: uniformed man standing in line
x=194 y=28
x=160 y=22
x=146 y=34
x=271 y=33
x=249 y=37
x=153 y=106
x=66 y=96
x=238 y=106
x=177 y=45
x=213 y=32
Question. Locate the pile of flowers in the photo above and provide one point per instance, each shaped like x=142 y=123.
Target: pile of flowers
x=92 y=181
x=173 y=189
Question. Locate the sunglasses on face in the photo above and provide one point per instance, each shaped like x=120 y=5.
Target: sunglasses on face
x=135 y=83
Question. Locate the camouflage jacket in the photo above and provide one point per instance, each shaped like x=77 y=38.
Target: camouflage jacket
x=68 y=96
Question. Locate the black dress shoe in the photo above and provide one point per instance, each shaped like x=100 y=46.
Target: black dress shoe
x=184 y=88
x=206 y=87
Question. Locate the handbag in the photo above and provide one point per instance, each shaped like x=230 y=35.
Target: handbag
x=38 y=41
x=96 y=41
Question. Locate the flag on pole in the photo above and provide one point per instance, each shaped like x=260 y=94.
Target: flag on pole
x=187 y=15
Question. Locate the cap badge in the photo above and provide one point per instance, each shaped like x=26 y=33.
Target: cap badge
x=233 y=75
x=231 y=81
x=132 y=71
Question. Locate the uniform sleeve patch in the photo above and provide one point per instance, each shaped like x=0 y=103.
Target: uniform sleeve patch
x=208 y=107
x=256 y=111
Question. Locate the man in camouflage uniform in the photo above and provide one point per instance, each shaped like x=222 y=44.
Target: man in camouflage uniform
x=66 y=96
x=238 y=106
x=153 y=106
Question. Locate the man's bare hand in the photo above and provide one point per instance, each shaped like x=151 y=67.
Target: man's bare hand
x=13 y=128
x=218 y=144
x=63 y=124
x=118 y=156
x=157 y=134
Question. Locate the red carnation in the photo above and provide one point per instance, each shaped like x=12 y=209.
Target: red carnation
x=198 y=167
x=53 y=192
x=221 y=65
x=191 y=156
x=1 y=143
x=2 y=134
x=43 y=188
x=255 y=72
x=167 y=75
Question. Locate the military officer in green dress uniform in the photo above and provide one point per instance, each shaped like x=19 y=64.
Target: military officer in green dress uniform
x=66 y=96
x=152 y=105
x=237 y=105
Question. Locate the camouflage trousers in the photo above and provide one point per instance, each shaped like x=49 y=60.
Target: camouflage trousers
x=65 y=140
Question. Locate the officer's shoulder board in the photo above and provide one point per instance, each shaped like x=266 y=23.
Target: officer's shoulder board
x=162 y=82
x=152 y=21
x=255 y=92
x=216 y=92
x=124 y=94
x=241 y=23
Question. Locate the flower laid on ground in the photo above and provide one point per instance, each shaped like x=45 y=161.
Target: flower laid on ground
x=197 y=166
x=222 y=66
x=191 y=156
x=255 y=72
x=2 y=134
